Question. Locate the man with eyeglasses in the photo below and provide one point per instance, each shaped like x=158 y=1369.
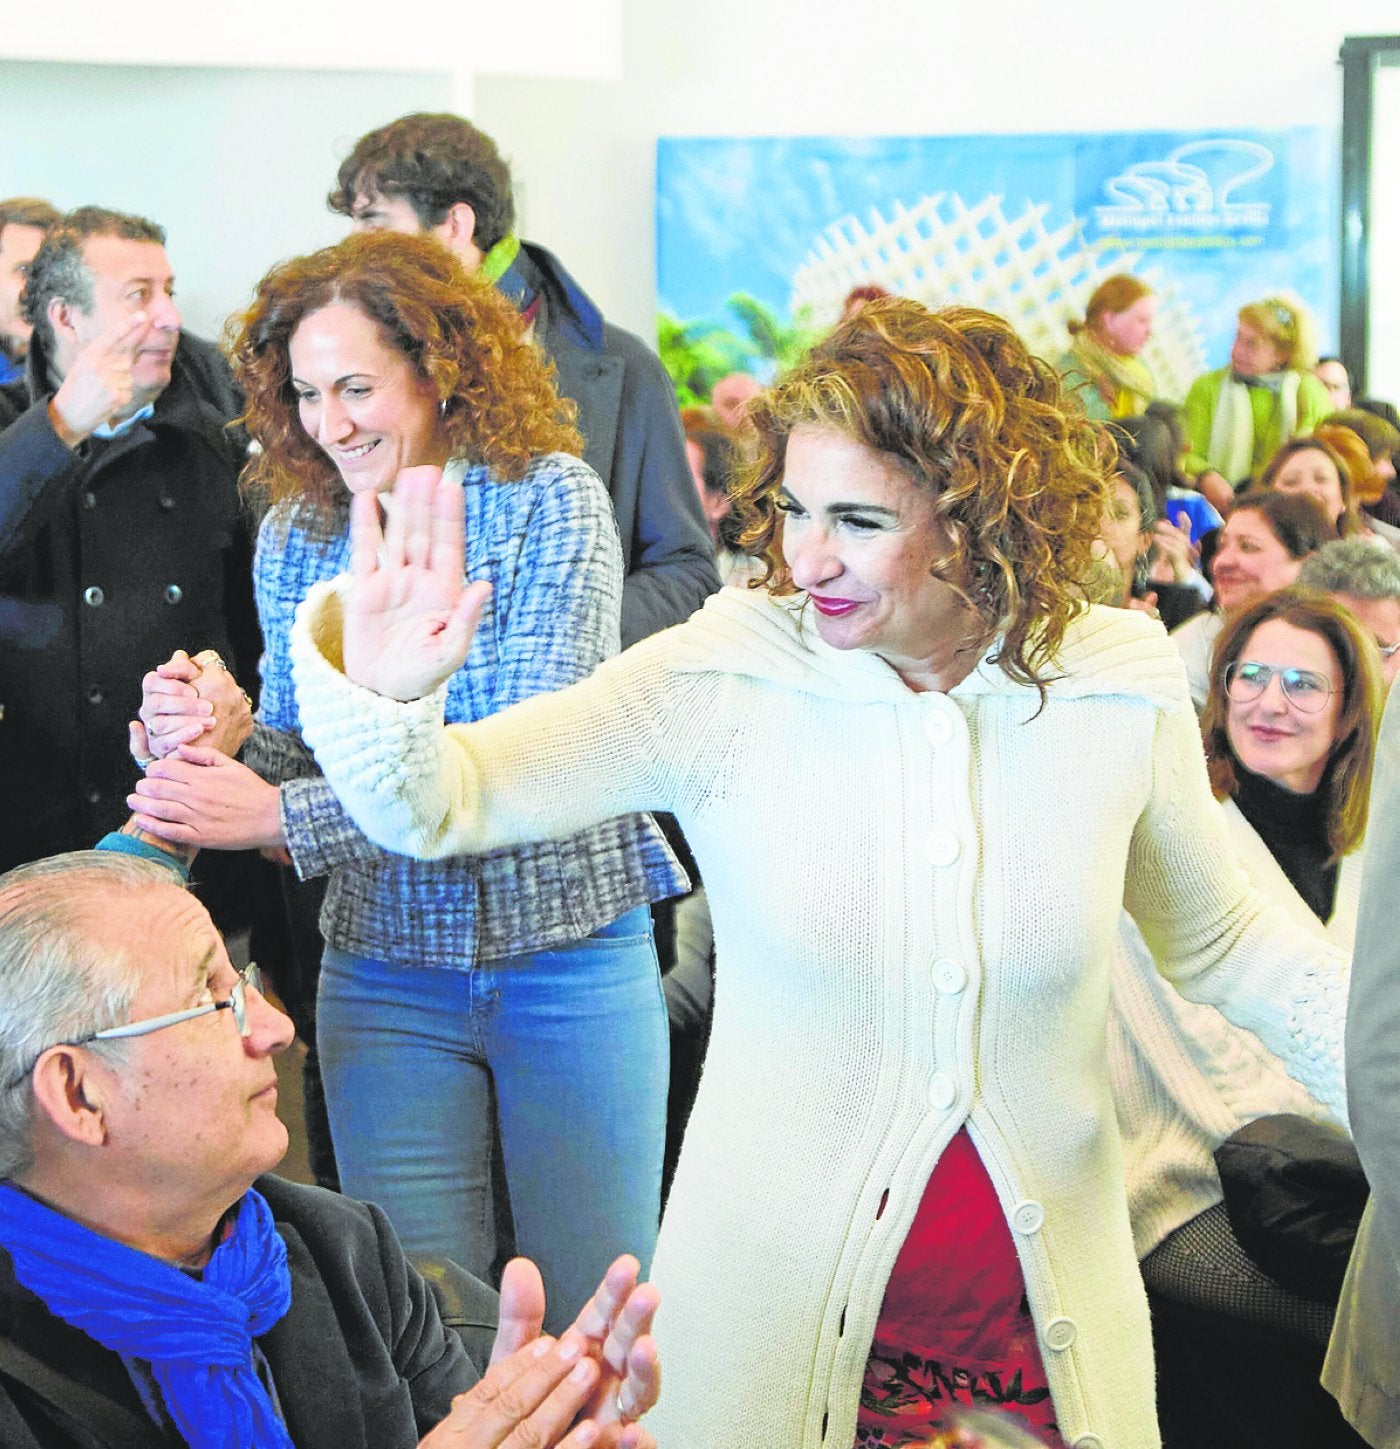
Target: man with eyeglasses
x=1366 y=578
x=159 y=1286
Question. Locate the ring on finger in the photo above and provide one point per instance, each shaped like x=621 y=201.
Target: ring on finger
x=214 y=661
x=145 y=762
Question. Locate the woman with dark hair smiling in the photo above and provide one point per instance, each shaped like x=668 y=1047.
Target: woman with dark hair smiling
x=921 y=778
x=1260 y=549
x=1290 y=732
x=462 y=1000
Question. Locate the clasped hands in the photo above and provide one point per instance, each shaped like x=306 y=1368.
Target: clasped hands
x=194 y=718
x=582 y=1391
x=409 y=621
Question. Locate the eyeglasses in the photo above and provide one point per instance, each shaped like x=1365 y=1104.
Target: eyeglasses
x=1305 y=690
x=236 y=1002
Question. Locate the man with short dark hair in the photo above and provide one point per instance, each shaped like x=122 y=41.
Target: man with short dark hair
x=439 y=174
x=121 y=536
x=159 y=1286
x=23 y=222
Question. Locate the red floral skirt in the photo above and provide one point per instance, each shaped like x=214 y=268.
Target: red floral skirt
x=955 y=1332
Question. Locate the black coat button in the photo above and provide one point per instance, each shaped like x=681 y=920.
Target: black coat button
x=94 y=695
x=173 y=593
x=93 y=597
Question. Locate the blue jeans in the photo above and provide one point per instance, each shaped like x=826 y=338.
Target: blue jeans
x=564 y=1049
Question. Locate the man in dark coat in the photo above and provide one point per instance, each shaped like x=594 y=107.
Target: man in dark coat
x=121 y=535
x=439 y=174
x=137 y=1132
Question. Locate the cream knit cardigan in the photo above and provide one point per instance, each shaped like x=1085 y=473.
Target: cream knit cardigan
x=915 y=900
x=1183 y=1078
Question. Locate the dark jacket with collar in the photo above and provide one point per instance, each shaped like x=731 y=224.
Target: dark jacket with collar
x=633 y=441
x=362 y=1359
x=112 y=556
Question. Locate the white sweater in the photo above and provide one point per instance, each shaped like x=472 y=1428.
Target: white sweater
x=1184 y=1079
x=915 y=901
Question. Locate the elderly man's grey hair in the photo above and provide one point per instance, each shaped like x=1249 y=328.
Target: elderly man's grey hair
x=59 y=976
x=1353 y=566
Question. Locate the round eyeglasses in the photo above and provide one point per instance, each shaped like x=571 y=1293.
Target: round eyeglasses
x=236 y=1002
x=1304 y=689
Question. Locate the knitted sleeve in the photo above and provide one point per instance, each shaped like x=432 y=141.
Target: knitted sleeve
x=1214 y=936
x=543 y=769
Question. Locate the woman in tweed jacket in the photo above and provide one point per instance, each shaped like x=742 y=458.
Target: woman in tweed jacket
x=462 y=1000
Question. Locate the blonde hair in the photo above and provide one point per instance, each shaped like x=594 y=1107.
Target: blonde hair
x=1288 y=325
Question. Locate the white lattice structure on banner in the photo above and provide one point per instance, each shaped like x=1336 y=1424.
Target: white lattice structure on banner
x=941 y=250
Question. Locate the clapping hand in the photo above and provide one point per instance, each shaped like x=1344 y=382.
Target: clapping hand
x=582 y=1392
x=409 y=614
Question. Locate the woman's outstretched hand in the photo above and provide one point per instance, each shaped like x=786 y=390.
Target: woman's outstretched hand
x=410 y=616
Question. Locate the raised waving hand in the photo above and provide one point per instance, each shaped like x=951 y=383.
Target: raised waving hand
x=410 y=615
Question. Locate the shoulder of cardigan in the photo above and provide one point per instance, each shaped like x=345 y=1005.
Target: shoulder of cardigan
x=749 y=632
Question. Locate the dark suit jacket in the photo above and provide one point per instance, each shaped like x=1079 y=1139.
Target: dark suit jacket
x=112 y=556
x=362 y=1359
x=633 y=442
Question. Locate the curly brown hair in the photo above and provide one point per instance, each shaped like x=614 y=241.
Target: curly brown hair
x=499 y=404
x=1347 y=780
x=1020 y=480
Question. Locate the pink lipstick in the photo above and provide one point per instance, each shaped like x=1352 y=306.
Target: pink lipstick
x=833 y=608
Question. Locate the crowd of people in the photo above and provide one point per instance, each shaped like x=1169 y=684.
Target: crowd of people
x=388 y=640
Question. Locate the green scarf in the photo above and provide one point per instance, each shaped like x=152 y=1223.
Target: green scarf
x=496 y=263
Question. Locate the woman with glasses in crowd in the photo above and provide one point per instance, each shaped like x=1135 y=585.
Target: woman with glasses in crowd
x=1290 y=732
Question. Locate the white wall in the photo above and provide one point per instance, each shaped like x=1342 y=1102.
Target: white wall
x=586 y=151
x=555 y=37
x=235 y=164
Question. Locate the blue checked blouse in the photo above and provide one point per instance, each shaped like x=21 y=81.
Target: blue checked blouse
x=549 y=546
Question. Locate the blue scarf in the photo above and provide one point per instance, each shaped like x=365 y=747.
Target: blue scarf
x=197 y=1335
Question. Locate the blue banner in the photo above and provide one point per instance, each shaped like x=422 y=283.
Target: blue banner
x=760 y=239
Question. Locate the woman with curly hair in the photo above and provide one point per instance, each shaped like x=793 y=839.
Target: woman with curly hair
x=921 y=776
x=468 y=999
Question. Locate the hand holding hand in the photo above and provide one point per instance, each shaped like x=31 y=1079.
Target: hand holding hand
x=193 y=701
x=409 y=615
x=99 y=384
x=204 y=798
